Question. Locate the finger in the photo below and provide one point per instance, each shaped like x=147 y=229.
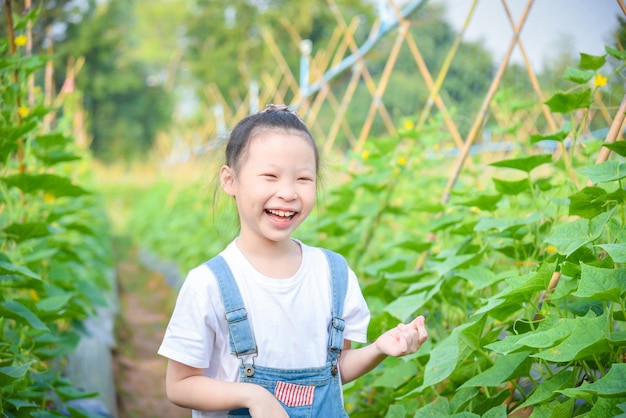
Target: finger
x=422 y=333
x=418 y=322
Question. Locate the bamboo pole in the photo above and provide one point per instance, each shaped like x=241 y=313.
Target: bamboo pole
x=282 y=64
x=382 y=85
x=544 y=107
x=615 y=130
x=341 y=111
x=434 y=87
x=480 y=117
x=367 y=78
x=12 y=51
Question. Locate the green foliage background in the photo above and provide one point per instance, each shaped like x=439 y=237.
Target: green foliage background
x=521 y=273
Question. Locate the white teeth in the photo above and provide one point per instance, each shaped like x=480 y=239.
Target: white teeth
x=280 y=212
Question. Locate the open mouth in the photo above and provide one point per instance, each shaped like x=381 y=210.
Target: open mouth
x=280 y=214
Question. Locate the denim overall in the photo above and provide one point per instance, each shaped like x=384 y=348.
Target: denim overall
x=311 y=392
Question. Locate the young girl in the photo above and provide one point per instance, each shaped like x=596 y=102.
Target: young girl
x=264 y=329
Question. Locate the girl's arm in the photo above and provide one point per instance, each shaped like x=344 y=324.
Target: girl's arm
x=187 y=387
x=402 y=340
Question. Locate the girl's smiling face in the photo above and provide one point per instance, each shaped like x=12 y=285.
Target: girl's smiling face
x=274 y=186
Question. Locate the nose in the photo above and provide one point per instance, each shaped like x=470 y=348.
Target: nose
x=287 y=192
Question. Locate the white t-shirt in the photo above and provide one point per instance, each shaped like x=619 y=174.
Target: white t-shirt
x=289 y=317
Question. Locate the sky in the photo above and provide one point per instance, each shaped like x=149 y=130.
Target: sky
x=552 y=26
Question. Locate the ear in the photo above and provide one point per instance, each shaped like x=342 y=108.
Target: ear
x=227 y=180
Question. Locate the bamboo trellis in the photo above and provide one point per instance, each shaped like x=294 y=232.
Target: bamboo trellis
x=311 y=94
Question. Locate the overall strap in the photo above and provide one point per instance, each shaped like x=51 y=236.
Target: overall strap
x=241 y=337
x=339 y=286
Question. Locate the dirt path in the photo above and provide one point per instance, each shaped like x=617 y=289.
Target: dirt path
x=146 y=302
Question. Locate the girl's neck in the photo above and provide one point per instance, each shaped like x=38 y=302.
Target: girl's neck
x=279 y=260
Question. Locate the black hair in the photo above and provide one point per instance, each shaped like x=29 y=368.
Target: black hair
x=273 y=117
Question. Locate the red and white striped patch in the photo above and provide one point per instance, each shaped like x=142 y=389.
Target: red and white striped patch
x=294 y=395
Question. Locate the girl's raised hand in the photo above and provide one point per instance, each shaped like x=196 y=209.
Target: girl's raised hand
x=403 y=339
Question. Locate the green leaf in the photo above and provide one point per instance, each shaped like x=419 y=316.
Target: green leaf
x=618 y=147
x=578 y=76
x=440 y=407
x=571 y=236
x=17 y=311
x=567 y=102
x=527 y=164
x=606 y=171
x=520 y=288
x=21 y=21
x=484 y=202
x=496 y=412
x=554 y=409
x=546 y=390
x=608 y=407
x=592 y=62
x=414 y=245
x=68 y=393
x=457 y=347
x=601 y=284
x=620 y=55
x=550 y=333
x=49 y=183
x=611 y=385
x=22 y=231
x=16 y=372
x=396 y=375
x=52 y=141
x=405 y=306
x=480 y=277
x=10 y=269
x=616 y=251
x=50 y=158
x=505 y=224
x=505 y=368
x=20 y=403
x=54 y=303
x=588 y=202
x=452 y=262
x=588 y=338
x=446 y=221
x=512 y=187
x=396 y=411
x=559 y=135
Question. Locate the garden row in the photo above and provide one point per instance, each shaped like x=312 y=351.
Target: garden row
x=55 y=261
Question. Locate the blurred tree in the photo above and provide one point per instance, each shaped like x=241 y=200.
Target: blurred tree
x=126 y=104
x=225 y=43
x=53 y=18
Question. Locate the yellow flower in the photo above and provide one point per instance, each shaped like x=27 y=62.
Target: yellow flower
x=20 y=40
x=436 y=147
x=365 y=154
x=23 y=111
x=401 y=161
x=599 y=80
x=408 y=125
x=551 y=249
